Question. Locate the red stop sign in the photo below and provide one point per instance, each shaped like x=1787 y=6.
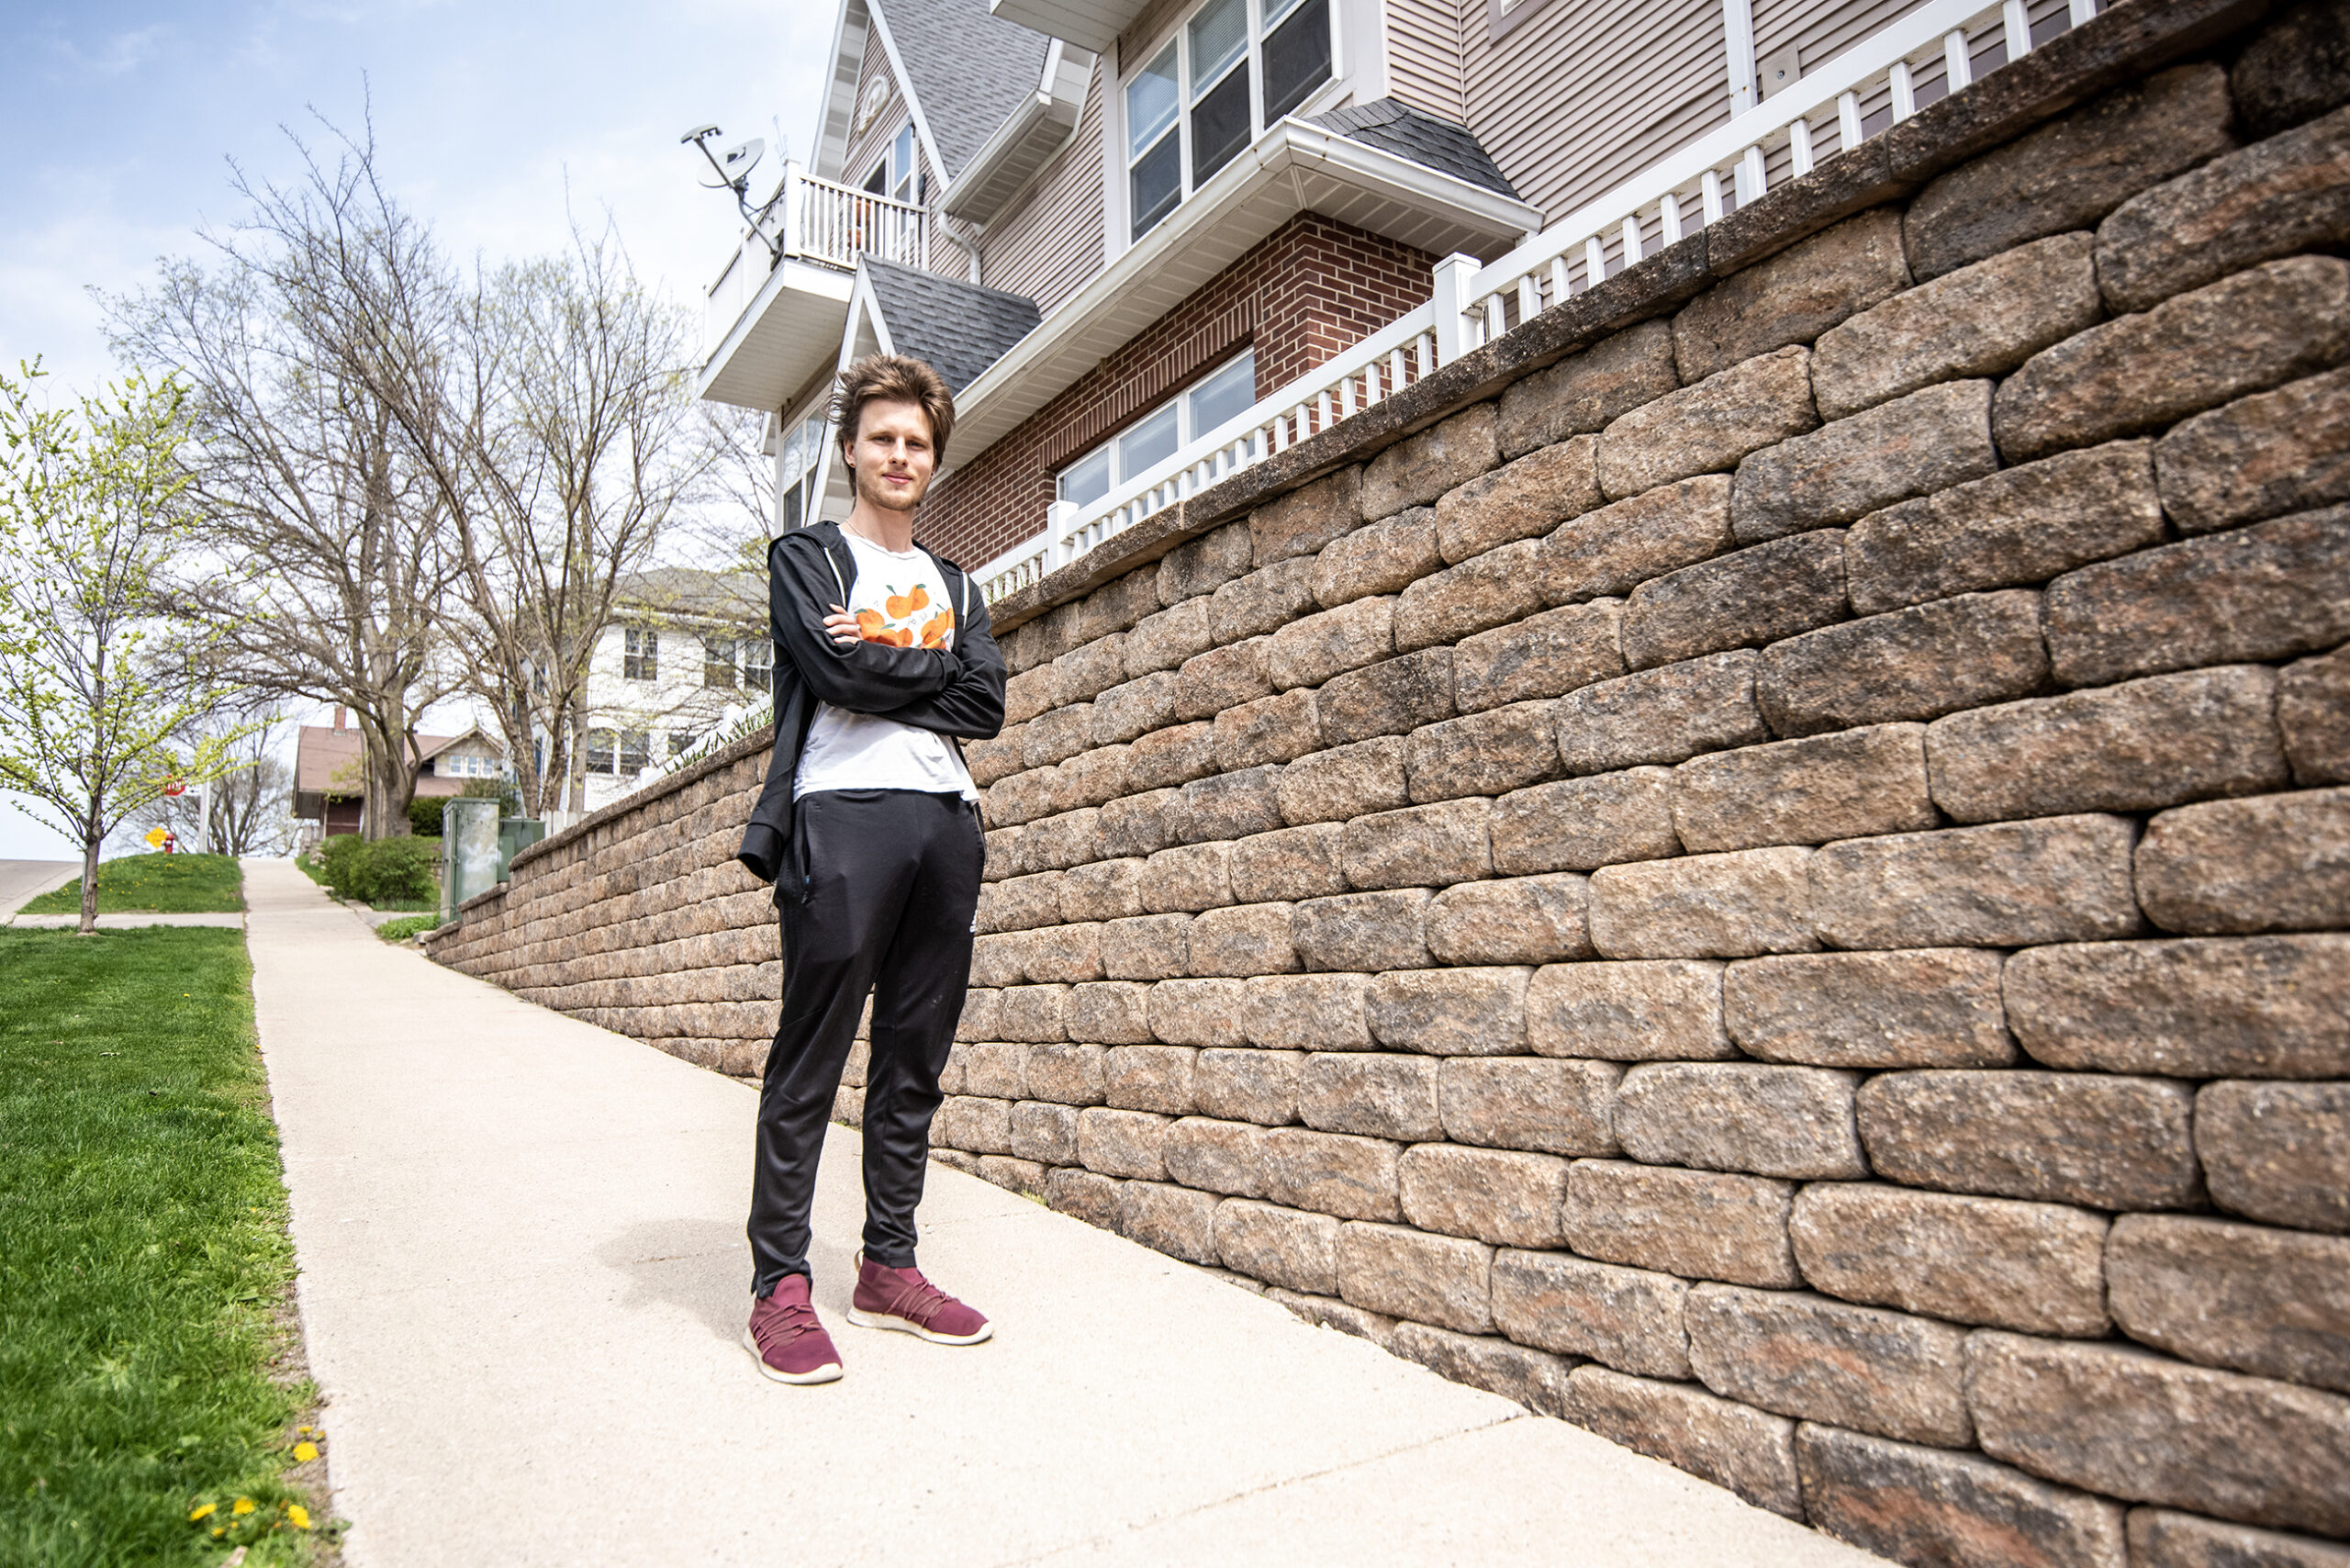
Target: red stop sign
x=176 y=788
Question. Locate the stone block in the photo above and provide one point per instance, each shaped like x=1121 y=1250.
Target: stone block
x=1071 y=838
x=1581 y=824
x=1762 y=1120
x=1928 y=440
x=1024 y=903
x=1135 y=708
x=1584 y=392
x=1731 y=1445
x=1921 y=1007
x=1369 y=1094
x=1392 y=696
x=1452 y=1011
x=1289 y=863
x=1164 y=759
x=2313 y=712
x=2278 y=1151
x=1505 y=1197
x=1847 y=785
x=1090 y=668
x=1483 y=754
x=1149 y=947
x=1353 y=1177
x=1983 y=320
x=1306 y=518
x=1543 y=656
x=2006 y=885
x=1818 y=1360
x=1217 y=1156
x=1001 y=849
x=1089 y=778
x=1793 y=296
x=1418 y=847
x=1310 y=651
x=1525 y=919
x=1117 y=605
x=2020 y=525
x=1705 y=906
x=2137 y=747
x=1045 y=1133
x=1527 y=1377
x=2260 y=456
x=1023 y=798
x=1541 y=1107
x=2160 y=1539
x=1662 y=1010
x=2247 y=333
x=1204 y=565
x=1662 y=715
x=1913 y=1504
x=2270 y=591
x=1249 y=939
x=1062 y=954
x=1521 y=500
x=2034 y=1267
x=1742 y=600
x=1692 y=1223
x=1161 y=643
x=1085 y=1196
x=992 y=760
x=1122 y=1143
x=1405 y=1273
x=1191 y=878
x=2271 y=1303
x=1065 y=1075
x=977 y=1021
x=2271 y=863
x=1282 y=1247
x=1419 y=468
x=1382 y=557
x=1913 y=664
x=2133 y=1425
x=1198 y=1012
x=1262 y=602
x=1628 y=1318
x=2296 y=67
x=1327 y=1312
x=2072 y=171
x=1105 y=890
x=1056 y=737
x=1220 y=678
x=1344 y=783
x=1315 y=1012
x=973 y=1124
x=2276 y=197
x=2218 y=1007
x=1707 y=427
x=1173 y=1220
x=1139 y=823
x=2105 y=1142
x=995 y=1072
x=1363 y=932
x=1149 y=1078
x=1491 y=589
x=1028 y=694
x=1248 y=1085
x=1616 y=549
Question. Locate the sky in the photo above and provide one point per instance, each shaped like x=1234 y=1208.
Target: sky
x=495 y=122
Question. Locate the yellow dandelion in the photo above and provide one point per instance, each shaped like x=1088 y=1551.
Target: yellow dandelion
x=203 y=1510
x=304 y=1452
x=220 y=1530
x=242 y=1506
x=299 y=1515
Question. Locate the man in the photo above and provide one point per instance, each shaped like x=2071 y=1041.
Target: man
x=868 y=827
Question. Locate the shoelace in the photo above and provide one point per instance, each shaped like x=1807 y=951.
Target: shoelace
x=786 y=1324
x=917 y=1299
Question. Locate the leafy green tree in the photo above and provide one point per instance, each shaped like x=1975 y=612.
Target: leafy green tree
x=95 y=717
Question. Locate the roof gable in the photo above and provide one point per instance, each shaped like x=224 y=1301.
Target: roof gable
x=1393 y=126
x=958 y=327
x=965 y=68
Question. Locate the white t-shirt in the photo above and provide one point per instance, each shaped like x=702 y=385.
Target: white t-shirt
x=902 y=600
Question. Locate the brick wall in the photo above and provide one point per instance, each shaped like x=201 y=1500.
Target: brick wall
x=1758 y=866
x=1311 y=289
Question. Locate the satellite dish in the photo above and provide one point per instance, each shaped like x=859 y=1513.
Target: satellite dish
x=737 y=161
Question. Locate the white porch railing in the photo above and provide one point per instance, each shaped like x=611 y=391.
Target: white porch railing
x=815 y=220
x=1939 y=48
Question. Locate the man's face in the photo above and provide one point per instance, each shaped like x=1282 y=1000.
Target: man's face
x=892 y=455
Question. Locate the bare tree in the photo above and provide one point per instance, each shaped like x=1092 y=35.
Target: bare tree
x=247 y=809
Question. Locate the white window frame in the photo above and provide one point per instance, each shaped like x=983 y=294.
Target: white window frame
x=645 y=657
x=804 y=438
x=1185 y=433
x=899 y=183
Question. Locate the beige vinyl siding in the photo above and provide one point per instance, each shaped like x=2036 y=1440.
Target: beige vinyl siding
x=1820 y=29
x=865 y=150
x=1579 y=97
x=1049 y=246
x=1424 y=55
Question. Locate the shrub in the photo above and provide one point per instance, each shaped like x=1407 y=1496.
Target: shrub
x=424 y=817
x=389 y=870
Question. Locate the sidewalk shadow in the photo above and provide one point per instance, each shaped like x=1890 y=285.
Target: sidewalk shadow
x=702 y=1265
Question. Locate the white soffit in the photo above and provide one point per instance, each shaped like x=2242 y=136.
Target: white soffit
x=790 y=330
x=1297 y=167
x=1029 y=136
x=1089 y=24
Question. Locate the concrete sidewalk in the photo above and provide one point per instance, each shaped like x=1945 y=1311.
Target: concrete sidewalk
x=524 y=1281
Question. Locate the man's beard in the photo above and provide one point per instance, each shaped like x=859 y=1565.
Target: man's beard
x=878 y=491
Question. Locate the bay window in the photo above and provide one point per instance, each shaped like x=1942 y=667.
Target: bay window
x=1234 y=68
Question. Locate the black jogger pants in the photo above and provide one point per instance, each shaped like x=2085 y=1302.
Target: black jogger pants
x=893 y=881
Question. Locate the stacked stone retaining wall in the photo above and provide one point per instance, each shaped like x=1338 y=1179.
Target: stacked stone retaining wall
x=1764 y=868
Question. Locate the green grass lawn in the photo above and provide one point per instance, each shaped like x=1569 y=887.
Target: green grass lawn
x=406 y=927
x=157 y=884
x=145 y=1264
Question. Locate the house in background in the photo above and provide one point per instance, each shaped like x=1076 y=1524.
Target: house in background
x=688 y=650
x=329 y=764
x=1149 y=241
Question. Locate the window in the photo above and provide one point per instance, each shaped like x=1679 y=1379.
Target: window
x=895 y=175
x=636 y=751
x=681 y=742
x=602 y=745
x=1210 y=402
x=639 y=653
x=758 y=664
x=1237 y=66
x=718 y=662
x=797 y=457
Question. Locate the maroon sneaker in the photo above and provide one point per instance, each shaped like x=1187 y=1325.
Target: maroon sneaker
x=785 y=1338
x=902 y=1298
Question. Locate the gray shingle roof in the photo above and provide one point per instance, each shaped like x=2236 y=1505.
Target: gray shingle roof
x=1397 y=128
x=968 y=68
x=959 y=327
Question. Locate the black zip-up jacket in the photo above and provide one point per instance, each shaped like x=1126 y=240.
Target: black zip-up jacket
x=958 y=694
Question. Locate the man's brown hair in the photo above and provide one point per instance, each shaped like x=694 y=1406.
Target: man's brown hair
x=894 y=378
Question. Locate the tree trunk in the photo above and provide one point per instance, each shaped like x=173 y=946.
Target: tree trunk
x=89 y=883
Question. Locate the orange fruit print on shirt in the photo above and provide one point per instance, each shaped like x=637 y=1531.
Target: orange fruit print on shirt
x=875 y=626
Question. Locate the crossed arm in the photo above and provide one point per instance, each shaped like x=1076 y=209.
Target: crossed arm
x=957 y=693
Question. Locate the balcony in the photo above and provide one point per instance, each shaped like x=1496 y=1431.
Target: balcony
x=772 y=320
